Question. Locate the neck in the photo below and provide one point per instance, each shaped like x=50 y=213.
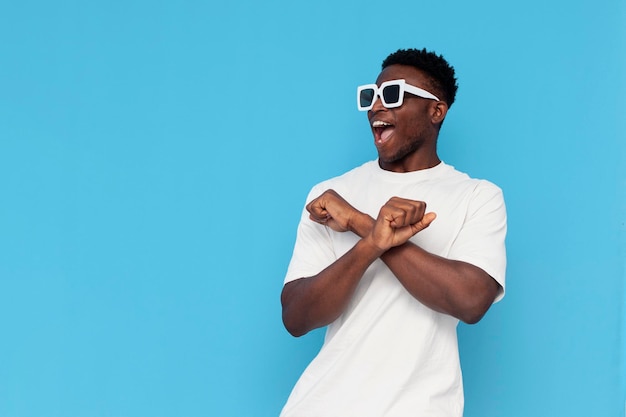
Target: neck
x=410 y=163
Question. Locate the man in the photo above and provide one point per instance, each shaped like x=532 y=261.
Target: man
x=390 y=279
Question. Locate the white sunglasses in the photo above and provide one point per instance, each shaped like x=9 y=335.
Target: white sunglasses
x=391 y=93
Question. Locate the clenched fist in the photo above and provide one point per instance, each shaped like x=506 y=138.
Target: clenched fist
x=399 y=220
x=330 y=209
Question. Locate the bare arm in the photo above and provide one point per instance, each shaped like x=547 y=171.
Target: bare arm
x=457 y=288
x=452 y=287
x=313 y=302
x=316 y=301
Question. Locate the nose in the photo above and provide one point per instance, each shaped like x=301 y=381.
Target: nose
x=378 y=105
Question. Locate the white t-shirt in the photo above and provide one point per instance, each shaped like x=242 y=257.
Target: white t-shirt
x=388 y=354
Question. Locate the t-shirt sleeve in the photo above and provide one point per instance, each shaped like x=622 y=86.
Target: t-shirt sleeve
x=481 y=240
x=313 y=250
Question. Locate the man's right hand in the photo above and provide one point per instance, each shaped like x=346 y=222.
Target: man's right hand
x=399 y=220
x=316 y=301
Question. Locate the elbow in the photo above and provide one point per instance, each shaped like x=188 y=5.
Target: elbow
x=294 y=310
x=301 y=310
x=293 y=319
x=292 y=327
x=296 y=332
x=472 y=317
x=473 y=308
x=474 y=311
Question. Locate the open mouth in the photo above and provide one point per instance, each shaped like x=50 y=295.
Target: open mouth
x=382 y=131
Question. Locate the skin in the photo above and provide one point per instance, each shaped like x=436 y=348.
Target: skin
x=451 y=287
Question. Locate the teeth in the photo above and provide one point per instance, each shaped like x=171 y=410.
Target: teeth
x=380 y=123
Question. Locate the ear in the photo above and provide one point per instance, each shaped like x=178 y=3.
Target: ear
x=439 y=111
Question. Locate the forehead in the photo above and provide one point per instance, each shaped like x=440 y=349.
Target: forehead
x=411 y=74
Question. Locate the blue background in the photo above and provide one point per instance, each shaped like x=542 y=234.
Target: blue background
x=155 y=156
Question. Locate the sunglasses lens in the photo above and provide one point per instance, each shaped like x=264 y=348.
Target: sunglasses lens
x=391 y=94
x=366 y=97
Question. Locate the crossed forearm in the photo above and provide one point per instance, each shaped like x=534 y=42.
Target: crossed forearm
x=447 y=286
x=313 y=302
x=452 y=287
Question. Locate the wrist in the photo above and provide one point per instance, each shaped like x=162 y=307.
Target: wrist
x=370 y=248
x=360 y=224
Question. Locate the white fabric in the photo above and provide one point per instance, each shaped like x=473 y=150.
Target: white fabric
x=387 y=354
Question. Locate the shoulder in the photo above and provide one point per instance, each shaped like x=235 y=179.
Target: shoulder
x=472 y=196
x=478 y=186
x=344 y=181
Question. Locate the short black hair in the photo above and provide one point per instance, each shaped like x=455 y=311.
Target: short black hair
x=440 y=72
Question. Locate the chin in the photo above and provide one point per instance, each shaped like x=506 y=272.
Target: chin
x=393 y=159
x=401 y=154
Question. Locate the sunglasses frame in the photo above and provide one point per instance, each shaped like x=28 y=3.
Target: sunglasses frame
x=378 y=92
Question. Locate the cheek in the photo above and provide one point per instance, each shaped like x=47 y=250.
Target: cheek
x=414 y=126
x=415 y=116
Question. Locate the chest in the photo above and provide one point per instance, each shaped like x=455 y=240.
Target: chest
x=449 y=202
